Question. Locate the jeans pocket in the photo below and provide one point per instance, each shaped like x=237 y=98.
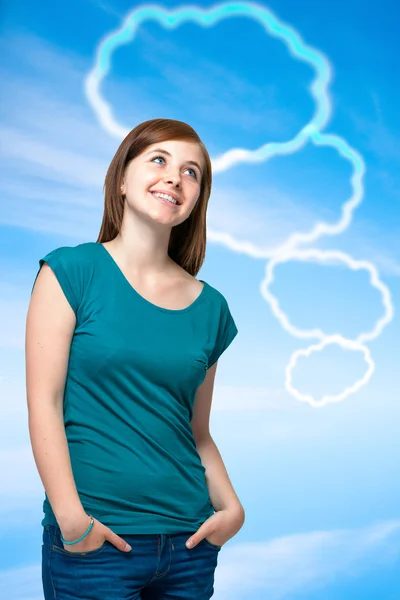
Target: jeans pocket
x=214 y=546
x=57 y=545
x=88 y=553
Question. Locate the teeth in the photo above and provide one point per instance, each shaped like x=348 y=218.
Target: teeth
x=165 y=197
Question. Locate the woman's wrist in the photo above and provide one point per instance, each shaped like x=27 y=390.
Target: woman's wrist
x=76 y=539
x=74 y=523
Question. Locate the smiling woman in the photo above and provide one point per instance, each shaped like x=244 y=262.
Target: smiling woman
x=149 y=153
x=122 y=344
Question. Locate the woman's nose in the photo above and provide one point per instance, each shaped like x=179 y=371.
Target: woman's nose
x=173 y=178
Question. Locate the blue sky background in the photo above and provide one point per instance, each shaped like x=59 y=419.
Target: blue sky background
x=320 y=485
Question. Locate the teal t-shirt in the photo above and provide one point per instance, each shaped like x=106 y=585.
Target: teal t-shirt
x=133 y=371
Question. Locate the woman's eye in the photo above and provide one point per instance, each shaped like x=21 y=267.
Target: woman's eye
x=162 y=158
x=194 y=172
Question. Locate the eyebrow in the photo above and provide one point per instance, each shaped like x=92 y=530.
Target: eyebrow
x=188 y=162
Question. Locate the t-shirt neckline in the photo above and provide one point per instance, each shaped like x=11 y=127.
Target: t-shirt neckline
x=195 y=302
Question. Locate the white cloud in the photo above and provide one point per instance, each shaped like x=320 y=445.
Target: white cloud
x=278 y=568
x=52 y=161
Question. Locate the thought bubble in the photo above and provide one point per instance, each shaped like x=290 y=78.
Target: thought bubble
x=312 y=132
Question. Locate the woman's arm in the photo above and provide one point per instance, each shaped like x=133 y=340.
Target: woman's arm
x=222 y=493
x=229 y=516
x=49 y=329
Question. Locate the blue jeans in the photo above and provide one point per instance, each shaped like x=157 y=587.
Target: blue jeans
x=158 y=567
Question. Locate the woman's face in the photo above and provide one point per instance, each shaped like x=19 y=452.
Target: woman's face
x=174 y=168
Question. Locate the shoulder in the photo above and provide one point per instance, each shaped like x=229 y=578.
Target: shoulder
x=217 y=298
x=69 y=254
x=225 y=328
x=76 y=261
x=72 y=266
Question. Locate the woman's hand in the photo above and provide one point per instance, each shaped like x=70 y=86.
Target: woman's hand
x=219 y=528
x=94 y=539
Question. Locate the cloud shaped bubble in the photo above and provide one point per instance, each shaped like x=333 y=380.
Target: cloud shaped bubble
x=311 y=132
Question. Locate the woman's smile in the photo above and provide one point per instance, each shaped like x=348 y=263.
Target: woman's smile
x=164 y=201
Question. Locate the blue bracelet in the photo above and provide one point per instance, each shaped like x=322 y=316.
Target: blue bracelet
x=82 y=536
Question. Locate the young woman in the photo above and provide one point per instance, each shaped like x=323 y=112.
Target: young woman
x=122 y=344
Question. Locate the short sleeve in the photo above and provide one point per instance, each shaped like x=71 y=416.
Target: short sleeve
x=67 y=270
x=227 y=331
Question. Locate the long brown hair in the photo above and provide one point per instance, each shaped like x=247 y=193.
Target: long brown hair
x=187 y=244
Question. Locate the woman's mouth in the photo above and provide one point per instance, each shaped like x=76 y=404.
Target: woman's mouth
x=165 y=199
